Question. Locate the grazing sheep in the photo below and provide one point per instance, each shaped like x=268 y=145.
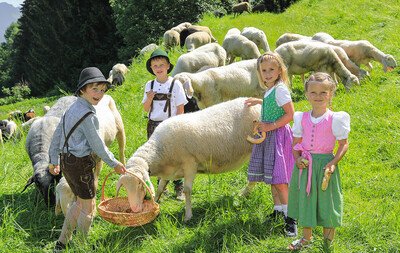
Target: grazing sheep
x=41 y=132
x=16 y=115
x=181 y=26
x=196 y=40
x=349 y=64
x=9 y=129
x=362 y=52
x=211 y=55
x=171 y=39
x=239 y=8
x=219 y=13
x=232 y=31
x=117 y=74
x=239 y=46
x=257 y=36
x=323 y=37
x=303 y=56
x=288 y=37
x=212 y=141
x=192 y=29
x=215 y=85
x=258 y=8
x=64 y=197
x=149 y=48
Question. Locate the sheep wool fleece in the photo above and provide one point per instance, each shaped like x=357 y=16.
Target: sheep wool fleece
x=272 y=160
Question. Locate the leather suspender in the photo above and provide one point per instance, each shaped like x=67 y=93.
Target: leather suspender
x=72 y=129
x=163 y=96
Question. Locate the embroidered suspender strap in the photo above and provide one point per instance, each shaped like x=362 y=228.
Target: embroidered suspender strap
x=151 y=105
x=168 y=102
x=72 y=129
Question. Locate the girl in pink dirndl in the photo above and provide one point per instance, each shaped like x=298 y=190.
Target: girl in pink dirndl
x=315 y=134
x=272 y=161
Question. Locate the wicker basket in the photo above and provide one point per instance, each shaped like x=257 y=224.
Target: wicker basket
x=117 y=210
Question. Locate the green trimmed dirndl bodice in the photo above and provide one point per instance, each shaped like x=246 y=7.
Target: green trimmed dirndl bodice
x=271 y=111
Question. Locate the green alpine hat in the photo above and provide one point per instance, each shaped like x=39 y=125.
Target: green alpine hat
x=158 y=53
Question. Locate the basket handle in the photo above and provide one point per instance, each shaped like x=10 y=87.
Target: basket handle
x=141 y=180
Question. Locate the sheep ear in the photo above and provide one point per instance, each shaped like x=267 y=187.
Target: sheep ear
x=187 y=86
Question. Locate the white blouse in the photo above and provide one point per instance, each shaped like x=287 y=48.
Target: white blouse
x=340 y=124
x=282 y=94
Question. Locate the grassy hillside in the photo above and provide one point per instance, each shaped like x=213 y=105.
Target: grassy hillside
x=222 y=221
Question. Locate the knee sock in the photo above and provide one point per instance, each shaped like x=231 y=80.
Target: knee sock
x=278 y=208
x=284 y=210
x=69 y=223
x=84 y=223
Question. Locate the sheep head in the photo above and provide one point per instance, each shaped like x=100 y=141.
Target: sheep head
x=350 y=80
x=186 y=83
x=134 y=182
x=389 y=63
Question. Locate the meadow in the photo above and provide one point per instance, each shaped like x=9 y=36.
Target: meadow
x=222 y=221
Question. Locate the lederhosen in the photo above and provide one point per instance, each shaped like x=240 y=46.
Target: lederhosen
x=151 y=124
x=78 y=171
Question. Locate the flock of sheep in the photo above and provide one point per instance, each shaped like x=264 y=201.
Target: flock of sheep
x=212 y=140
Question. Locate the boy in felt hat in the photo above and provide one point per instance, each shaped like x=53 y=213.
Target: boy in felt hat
x=76 y=138
x=164 y=97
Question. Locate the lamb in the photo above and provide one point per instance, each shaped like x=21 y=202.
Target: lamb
x=288 y=37
x=149 y=48
x=192 y=29
x=302 y=56
x=39 y=138
x=215 y=85
x=117 y=74
x=171 y=39
x=257 y=36
x=239 y=8
x=239 y=46
x=212 y=141
x=211 y=55
x=362 y=52
x=196 y=40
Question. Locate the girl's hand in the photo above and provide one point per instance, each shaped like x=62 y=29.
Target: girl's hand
x=300 y=164
x=253 y=101
x=120 y=168
x=330 y=167
x=266 y=127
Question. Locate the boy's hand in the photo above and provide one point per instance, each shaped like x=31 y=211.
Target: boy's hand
x=150 y=94
x=120 y=168
x=54 y=169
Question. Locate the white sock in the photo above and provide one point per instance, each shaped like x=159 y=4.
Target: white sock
x=278 y=208
x=284 y=210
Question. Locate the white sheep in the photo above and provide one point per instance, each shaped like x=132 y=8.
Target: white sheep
x=239 y=46
x=181 y=26
x=46 y=108
x=117 y=74
x=215 y=85
x=288 y=37
x=41 y=132
x=64 y=197
x=193 y=29
x=171 y=39
x=149 y=48
x=257 y=36
x=239 y=8
x=9 y=129
x=304 y=56
x=323 y=37
x=211 y=55
x=196 y=40
x=362 y=52
x=212 y=141
x=232 y=31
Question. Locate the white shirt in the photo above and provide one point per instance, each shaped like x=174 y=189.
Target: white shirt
x=340 y=124
x=178 y=97
x=282 y=94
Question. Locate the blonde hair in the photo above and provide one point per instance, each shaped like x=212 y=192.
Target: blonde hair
x=272 y=56
x=323 y=79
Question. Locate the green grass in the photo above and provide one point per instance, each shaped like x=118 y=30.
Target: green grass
x=222 y=221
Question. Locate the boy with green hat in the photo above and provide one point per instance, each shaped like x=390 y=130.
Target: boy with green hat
x=163 y=98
